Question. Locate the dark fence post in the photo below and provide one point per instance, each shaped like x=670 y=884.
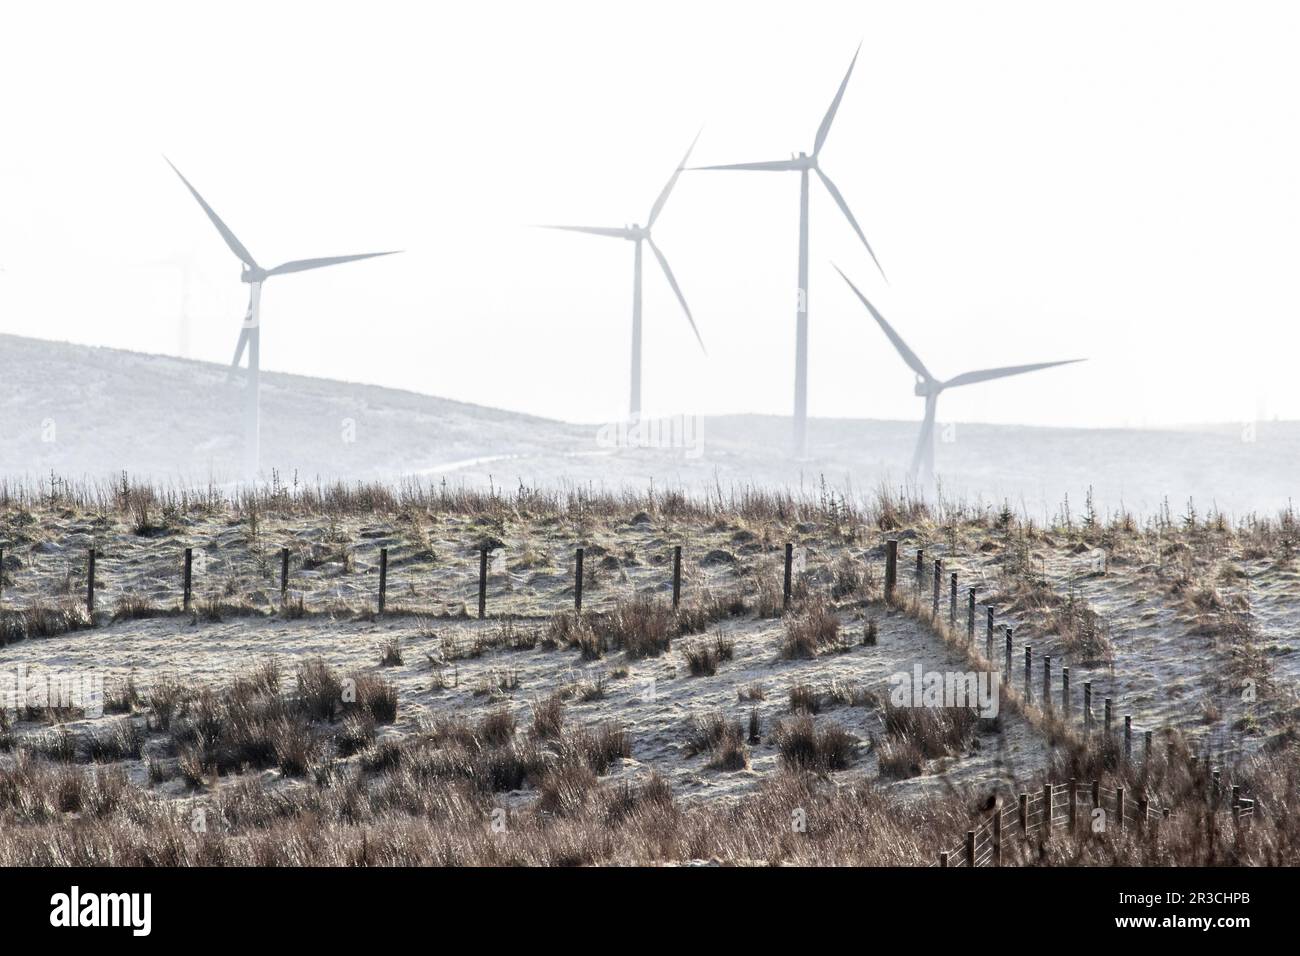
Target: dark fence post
x=1146 y=748
x=1087 y=708
x=997 y=833
x=1119 y=806
x=677 y=576
x=920 y=571
x=989 y=609
x=943 y=859
x=970 y=617
x=90 y=581
x=1128 y=737
x=1107 y=716
x=938 y=577
x=577 y=581
x=891 y=569
x=1006 y=671
x=970 y=848
x=1024 y=814
x=383 y=578
x=1065 y=693
x=1047 y=810
x=952 y=599
x=1236 y=803
x=1074 y=804
x=188 y=579
x=1096 y=794
x=284 y=575
x=482 y=582
x=1047 y=682
x=1029 y=666
x=789 y=568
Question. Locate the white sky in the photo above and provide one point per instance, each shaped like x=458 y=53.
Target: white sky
x=1040 y=180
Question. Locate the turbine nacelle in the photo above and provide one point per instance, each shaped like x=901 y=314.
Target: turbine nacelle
x=924 y=388
x=252 y=274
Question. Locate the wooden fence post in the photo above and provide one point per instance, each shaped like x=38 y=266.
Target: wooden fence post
x=1096 y=797
x=1236 y=803
x=482 y=582
x=952 y=600
x=1142 y=811
x=90 y=581
x=188 y=579
x=1024 y=814
x=938 y=578
x=1128 y=737
x=1047 y=682
x=1074 y=804
x=1107 y=706
x=789 y=565
x=891 y=569
x=677 y=576
x=989 y=610
x=997 y=834
x=1065 y=693
x=1119 y=807
x=1146 y=748
x=577 y=581
x=284 y=576
x=943 y=858
x=1047 y=810
x=383 y=578
x=970 y=617
x=1087 y=709
x=920 y=571
x=970 y=848
x=1029 y=664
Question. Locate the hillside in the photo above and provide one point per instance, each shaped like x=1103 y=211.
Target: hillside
x=173 y=419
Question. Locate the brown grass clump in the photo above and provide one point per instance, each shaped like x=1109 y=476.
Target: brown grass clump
x=805 y=746
x=810 y=631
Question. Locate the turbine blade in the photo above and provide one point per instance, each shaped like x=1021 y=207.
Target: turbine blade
x=984 y=375
x=672 y=281
x=613 y=233
x=835 y=105
x=844 y=208
x=235 y=245
x=302 y=265
x=908 y=355
x=663 y=196
x=776 y=165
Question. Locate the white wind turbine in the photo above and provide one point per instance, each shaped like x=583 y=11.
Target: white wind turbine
x=250 y=334
x=804 y=164
x=639 y=234
x=930 y=388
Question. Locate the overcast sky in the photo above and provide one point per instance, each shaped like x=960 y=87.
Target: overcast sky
x=1040 y=181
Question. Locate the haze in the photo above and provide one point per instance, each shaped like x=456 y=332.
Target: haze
x=1118 y=184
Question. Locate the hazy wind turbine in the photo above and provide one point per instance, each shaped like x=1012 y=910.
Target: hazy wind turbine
x=804 y=164
x=929 y=387
x=638 y=234
x=250 y=334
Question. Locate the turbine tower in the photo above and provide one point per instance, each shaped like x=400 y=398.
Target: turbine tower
x=804 y=164
x=641 y=234
x=930 y=388
x=250 y=335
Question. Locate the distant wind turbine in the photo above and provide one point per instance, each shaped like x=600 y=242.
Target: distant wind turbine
x=638 y=234
x=929 y=387
x=805 y=163
x=250 y=334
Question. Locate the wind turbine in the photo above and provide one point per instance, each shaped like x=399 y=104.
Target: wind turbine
x=250 y=334
x=639 y=234
x=930 y=388
x=804 y=164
